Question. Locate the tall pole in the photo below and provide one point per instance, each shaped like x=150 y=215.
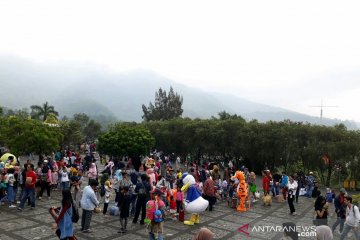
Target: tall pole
x=321 y=106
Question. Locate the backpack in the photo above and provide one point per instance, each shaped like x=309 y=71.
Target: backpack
x=44 y=171
x=102 y=190
x=75 y=214
x=158 y=215
x=142 y=190
x=354 y=210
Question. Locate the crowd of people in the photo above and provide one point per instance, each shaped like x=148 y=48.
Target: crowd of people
x=153 y=193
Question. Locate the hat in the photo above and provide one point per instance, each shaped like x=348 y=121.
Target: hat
x=342 y=190
x=311 y=173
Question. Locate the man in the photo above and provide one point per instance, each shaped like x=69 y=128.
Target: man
x=340 y=210
x=126 y=182
x=29 y=191
x=352 y=219
x=88 y=203
x=283 y=184
x=210 y=191
x=310 y=185
x=142 y=190
x=87 y=161
x=276 y=184
x=45 y=180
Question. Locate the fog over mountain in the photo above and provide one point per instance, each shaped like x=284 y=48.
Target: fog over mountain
x=98 y=91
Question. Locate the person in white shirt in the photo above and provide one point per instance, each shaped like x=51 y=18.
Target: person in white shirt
x=291 y=187
x=88 y=203
x=65 y=182
x=352 y=219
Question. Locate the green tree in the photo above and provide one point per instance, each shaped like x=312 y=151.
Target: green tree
x=226 y=116
x=92 y=130
x=126 y=139
x=71 y=130
x=89 y=128
x=27 y=135
x=52 y=120
x=82 y=119
x=167 y=106
x=42 y=112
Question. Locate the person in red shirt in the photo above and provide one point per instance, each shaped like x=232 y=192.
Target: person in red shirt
x=266 y=183
x=29 y=190
x=210 y=191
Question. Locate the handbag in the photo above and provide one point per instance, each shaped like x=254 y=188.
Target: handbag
x=181 y=215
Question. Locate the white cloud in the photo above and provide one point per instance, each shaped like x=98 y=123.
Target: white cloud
x=290 y=54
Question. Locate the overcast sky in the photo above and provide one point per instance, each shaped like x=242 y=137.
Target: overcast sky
x=289 y=54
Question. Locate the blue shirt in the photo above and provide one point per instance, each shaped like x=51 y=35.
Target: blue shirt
x=66 y=225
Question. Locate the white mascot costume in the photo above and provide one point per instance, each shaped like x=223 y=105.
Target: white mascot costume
x=194 y=202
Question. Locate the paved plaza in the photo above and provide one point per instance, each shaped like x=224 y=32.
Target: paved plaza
x=224 y=221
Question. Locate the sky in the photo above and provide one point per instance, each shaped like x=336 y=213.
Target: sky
x=290 y=54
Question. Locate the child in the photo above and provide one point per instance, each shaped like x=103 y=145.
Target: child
x=333 y=194
x=224 y=186
x=172 y=203
x=234 y=197
x=124 y=207
x=108 y=189
x=2 y=188
x=328 y=196
x=179 y=174
x=9 y=180
x=64 y=178
x=54 y=176
x=230 y=190
x=179 y=199
x=251 y=182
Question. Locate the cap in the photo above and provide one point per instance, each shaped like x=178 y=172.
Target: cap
x=311 y=173
x=342 y=190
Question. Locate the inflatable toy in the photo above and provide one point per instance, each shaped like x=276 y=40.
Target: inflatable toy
x=6 y=161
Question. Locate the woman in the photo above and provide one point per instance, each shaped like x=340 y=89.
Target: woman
x=63 y=217
x=290 y=232
x=324 y=233
x=204 y=234
x=321 y=209
x=291 y=188
x=92 y=173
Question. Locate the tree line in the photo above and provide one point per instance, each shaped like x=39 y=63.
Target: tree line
x=287 y=146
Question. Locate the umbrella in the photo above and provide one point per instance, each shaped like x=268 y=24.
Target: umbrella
x=5 y=157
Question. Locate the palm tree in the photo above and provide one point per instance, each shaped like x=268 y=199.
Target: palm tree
x=42 y=111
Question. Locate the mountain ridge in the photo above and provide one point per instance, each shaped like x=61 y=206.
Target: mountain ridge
x=74 y=88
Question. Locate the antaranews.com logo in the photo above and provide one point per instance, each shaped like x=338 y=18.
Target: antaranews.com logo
x=301 y=230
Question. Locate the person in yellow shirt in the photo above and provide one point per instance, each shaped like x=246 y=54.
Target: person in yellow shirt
x=179 y=174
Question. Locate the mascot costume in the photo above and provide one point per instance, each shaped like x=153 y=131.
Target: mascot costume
x=194 y=202
x=242 y=191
